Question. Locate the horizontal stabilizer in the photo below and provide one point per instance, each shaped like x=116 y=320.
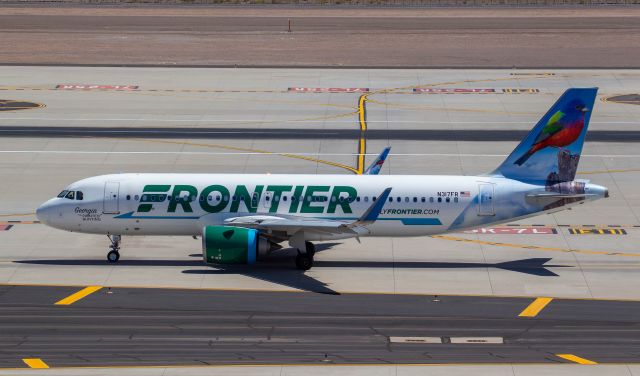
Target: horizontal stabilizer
x=559 y=195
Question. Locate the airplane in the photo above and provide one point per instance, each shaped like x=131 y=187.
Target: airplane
x=242 y=218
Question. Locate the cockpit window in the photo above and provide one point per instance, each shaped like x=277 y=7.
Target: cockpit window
x=62 y=194
x=70 y=195
x=79 y=195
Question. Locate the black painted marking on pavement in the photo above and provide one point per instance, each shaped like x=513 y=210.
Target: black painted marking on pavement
x=597 y=231
x=296 y=134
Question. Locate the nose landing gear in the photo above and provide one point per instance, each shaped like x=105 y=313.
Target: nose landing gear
x=114 y=254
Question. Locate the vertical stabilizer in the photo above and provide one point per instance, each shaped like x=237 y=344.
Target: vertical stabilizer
x=551 y=151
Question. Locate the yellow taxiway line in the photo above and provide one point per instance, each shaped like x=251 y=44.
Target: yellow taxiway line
x=576 y=359
x=266 y=290
x=362 y=120
x=535 y=307
x=78 y=295
x=35 y=363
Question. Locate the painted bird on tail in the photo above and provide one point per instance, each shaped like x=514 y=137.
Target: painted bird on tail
x=562 y=129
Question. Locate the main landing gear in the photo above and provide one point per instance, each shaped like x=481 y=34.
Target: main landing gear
x=304 y=260
x=114 y=254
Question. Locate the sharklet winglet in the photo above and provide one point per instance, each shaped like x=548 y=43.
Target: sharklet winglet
x=371 y=214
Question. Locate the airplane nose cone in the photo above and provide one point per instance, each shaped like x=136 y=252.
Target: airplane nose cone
x=45 y=212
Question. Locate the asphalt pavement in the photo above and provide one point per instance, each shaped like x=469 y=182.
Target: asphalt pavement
x=133 y=326
x=315 y=37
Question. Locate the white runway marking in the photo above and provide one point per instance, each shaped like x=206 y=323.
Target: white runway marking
x=293 y=121
x=276 y=153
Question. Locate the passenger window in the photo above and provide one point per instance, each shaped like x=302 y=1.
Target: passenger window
x=276 y=198
x=267 y=198
x=374 y=198
x=128 y=197
x=70 y=195
x=284 y=198
x=136 y=197
x=398 y=199
x=415 y=199
x=455 y=199
x=430 y=199
x=358 y=198
x=390 y=199
x=79 y=195
x=422 y=200
x=366 y=198
x=439 y=199
x=448 y=199
x=406 y=199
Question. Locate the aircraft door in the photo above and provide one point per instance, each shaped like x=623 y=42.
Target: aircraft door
x=266 y=202
x=111 y=194
x=485 y=199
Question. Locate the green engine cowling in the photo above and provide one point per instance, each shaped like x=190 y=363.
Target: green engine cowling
x=234 y=245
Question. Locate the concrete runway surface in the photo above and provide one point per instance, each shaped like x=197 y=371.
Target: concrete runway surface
x=235 y=36
x=386 y=286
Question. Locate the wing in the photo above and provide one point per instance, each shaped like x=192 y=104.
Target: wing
x=553 y=126
x=292 y=225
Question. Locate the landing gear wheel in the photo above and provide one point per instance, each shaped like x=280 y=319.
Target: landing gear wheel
x=304 y=261
x=113 y=256
x=311 y=249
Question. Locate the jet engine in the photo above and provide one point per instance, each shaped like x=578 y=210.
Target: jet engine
x=234 y=245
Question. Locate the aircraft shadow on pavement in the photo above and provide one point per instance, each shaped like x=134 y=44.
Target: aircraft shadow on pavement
x=279 y=269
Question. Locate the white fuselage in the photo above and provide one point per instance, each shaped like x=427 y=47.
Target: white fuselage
x=182 y=204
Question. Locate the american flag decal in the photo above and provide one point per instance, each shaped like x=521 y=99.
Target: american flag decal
x=465 y=194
